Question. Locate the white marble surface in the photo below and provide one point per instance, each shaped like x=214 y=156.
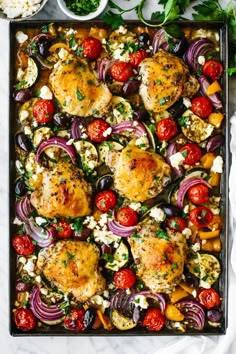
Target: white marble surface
x=119 y=345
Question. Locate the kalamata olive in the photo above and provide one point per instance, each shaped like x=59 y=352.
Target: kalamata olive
x=214 y=142
x=214 y=315
x=22 y=95
x=83 y=235
x=180 y=47
x=89 y=317
x=105 y=249
x=177 y=109
x=104 y=182
x=130 y=86
x=22 y=141
x=20 y=187
x=43 y=47
x=170 y=210
x=21 y=286
x=144 y=40
x=191 y=280
x=141 y=114
x=136 y=314
x=61 y=120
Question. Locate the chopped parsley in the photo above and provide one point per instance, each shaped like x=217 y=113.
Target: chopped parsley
x=72 y=42
x=77 y=225
x=162 y=234
x=162 y=101
x=69 y=255
x=64 y=262
x=20 y=85
x=183 y=121
x=158 y=82
x=184 y=153
x=134 y=235
x=80 y=97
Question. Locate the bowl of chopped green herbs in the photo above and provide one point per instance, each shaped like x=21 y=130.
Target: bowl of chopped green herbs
x=82 y=10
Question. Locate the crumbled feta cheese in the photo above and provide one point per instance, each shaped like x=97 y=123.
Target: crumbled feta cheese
x=106 y=293
x=20 y=74
x=19 y=166
x=90 y=222
x=27 y=130
x=186 y=209
x=177 y=159
x=135 y=206
x=44 y=291
x=17 y=221
x=23 y=115
x=158 y=214
x=187 y=102
x=70 y=142
x=142 y=142
x=98 y=300
x=204 y=284
x=19 y=8
x=63 y=53
x=29 y=266
x=91 y=164
x=209 y=129
x=121 y=54
x=88 y=152
x=103 y=220
x=196 y=247
x=201 y=60
x=84 y=136
x=217 y=165
x=45 y=93
x=40 y=221
x=122 y=29
x=194 y=293
x=105 y=236
x=21 y=37
x=141 y=301
x=22 y=260
x=38 y=279
x=215 y=211
x=187 y=232
x=107 y=132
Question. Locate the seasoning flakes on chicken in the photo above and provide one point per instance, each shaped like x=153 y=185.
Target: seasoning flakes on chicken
x=72 y=266
x=62 y=193
x=77 y=88
x=159 y=257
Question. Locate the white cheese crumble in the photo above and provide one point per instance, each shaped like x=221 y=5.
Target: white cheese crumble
x=21 y=37
x=209 y=129
x=187 y=232
x=19 y=166
x=122 y=29
x=23 y=115
x=29 y=266
x=98 y=300
x=201 y=60
x=22 y=260
x=141 y=301
x=63 y=53
x=27 y=130
x=19 y=8
x=107 y=132
x=135 y=206
x=186 y=209
x=158 y=214
x=196 y=247
x=70 y=142
x=187 y=102
x=177 y=159
x=204 y=284
x=105 y=236
x=90 y=222
x=40 y=221
x=44 y=291
x=142 y=142
x=38 y=279
x=17 y=221
x=215 y=211
x=45 y=93
x=217 y=166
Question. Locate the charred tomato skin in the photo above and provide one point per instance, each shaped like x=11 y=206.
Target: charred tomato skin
x=24 y=319
x=92 y=48
x=209 y=298
x=213 y=69
x=127 y=216
x=23 y=245
x=124 y=278
x=105 y=200
x=154 y=320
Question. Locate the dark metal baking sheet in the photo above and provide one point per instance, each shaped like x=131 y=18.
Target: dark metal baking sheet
x=221 y=27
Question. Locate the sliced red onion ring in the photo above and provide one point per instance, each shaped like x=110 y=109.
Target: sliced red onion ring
x=44 y=64
x=42 y=311
x=76 y=131
x=193 y=312
x=198 y=47
x=214 y=142
x=184 y=187
x=42 y=35
x=120 y=230
x=23 y=208
x=159 y=39
x=56 y=142
x=103 y=67
x=204 y=83
x=157 y=297
x=43 y=237
x=171 y=150
x=137 y=128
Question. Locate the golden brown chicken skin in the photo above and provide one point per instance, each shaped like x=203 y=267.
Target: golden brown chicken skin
x=73 y=267
x=159 y=259
x=138 y=174
x=78 y=90
x=62 y=193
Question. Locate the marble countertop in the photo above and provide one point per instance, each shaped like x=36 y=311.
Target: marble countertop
x=67 y=345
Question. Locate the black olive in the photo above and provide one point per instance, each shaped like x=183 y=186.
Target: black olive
x=191 y=280
x=144 y=40
x=180 y=47
x=104 y=183
x=21 y=286
x=22 y=95
x=43 y=47
x=61 y=120
x=130 y=86
x=177 y=109
x=83 y=235
x=141 y=114
x=89 y=317
x=20 y=187
x=170 y=210
x=22 y=141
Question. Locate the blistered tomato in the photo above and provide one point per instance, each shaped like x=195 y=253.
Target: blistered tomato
x=23 y=245
x=209 y=298
x=43 y=111
x=105 y=200
x=198 y=194
x=63 y=229
x=124 y=279
x=137 y=57
x=121 y=71
x=154 y=320
x=213 y=69
x=75 y=320
x=176 y=224
x=98 y=130
x=201 y=106
x=191 y=152
x=24 y=319
x=92 y=48
x=201 y=216
x=127 y=216
x=166 y=129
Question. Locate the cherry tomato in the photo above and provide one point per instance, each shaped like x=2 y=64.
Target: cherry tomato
x=166 y=129
x=43 y=111
x=105 y=200
x=176 y=224
x=201 y=216
x=137 y=57
x=24 y=319
x=124 y=278
x=97 y=130
x=92 y=48
x=75 y=320
x=191 y=152
x=198 y=194
x=127 y=216
x=23 y=245
x=63 y=229
x=209 y=298
x=154 y=320
x=121 y=71
x=201 y=106
x=213 y=69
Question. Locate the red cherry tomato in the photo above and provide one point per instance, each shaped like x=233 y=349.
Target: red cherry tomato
x=124 y=278
x=154 y=320
x=137 y=57
x=43 y=111
x=97 y=129
x=191 y=152
x=63 y=229
x=75 y=320
x=121 y=71
x=198 y=194
x=201 y=106
x=24 y=319
x=92 y=48
x=213 y=69
x=209 y=298
x=176 y=224
x=201 y=216
x=127 y=216
x=166 y=129
x=105 y=200
x=23 y=245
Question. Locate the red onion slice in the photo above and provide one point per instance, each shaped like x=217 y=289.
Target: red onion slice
x=23 y=208
x=157 y=297
x=44 y=64
x=214 y=142
x=103 y=67
x=42 y=35
x=43 y=237
x=204 y=83
x=76 y=130
x=193 y=312
x=134 y=126
x=184 y=187
x=120 y=230
x=171 y=150
x=59 y=143
x=198 y=47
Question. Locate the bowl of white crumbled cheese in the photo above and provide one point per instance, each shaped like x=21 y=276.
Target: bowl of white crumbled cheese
x=19 y=10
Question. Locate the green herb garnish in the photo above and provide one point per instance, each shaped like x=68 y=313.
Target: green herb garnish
x=162 y=234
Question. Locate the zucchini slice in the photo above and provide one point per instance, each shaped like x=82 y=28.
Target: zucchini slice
x=88 y=153
x=121 y=257
x=107 y=146
x=40 y=134
x=121 y=322
x=31 y=74
x=209 y=268
x=121 y=110
x=26 y=116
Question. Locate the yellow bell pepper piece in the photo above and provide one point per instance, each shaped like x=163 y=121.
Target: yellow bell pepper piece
x=205 y=235
x=55 y=46
x=215 y=119
x=214 y=180
x=213 y=88
x=207 y=160
x=213 y=245
x=177 y=295
x=173 y=314
x=187 y=288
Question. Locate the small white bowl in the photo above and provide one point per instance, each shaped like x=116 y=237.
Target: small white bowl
x=90 y=16
x=4 y=17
